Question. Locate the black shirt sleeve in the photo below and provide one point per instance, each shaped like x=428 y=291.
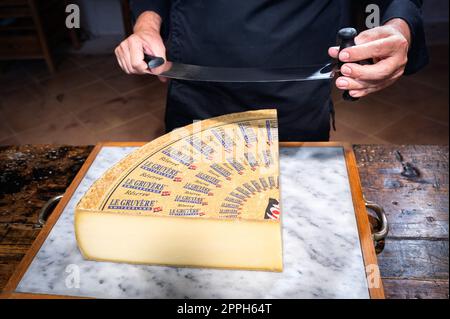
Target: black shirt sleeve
x=161 y=7
x=411 y=12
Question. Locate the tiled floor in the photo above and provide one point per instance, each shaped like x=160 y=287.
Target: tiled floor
x=91 y=100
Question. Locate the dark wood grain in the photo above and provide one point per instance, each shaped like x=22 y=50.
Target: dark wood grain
x=415 y=259
x=414 y=263
x=29 y=177
x=415 y=289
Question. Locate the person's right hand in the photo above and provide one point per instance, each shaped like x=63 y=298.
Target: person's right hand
x=145 y=39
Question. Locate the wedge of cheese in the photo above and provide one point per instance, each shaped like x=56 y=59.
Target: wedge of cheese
x=206 y=195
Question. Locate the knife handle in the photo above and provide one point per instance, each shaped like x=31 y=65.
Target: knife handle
x=346 y=39
x=153 y=61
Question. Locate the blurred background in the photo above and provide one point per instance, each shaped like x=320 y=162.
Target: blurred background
x=61 y=86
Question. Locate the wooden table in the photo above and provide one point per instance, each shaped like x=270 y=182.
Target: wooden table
x=414 y=263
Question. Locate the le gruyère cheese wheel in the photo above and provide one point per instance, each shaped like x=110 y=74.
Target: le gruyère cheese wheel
x=205 y=195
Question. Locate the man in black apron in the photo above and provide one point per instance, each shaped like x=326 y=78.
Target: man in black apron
x=270 y=33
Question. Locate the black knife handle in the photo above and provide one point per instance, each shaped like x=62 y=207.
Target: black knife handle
x=153 y=61
x=346 y=39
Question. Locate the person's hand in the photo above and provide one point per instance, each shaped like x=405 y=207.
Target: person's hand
x=145 y=39
x=387 y=46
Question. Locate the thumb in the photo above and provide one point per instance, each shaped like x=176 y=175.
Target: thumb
x=156 y=48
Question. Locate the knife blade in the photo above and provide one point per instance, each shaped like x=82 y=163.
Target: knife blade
x=189 y=72
x=174 y=70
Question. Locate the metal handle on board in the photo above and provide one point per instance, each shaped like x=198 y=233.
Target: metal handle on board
x=380 y=235
x=47 y=209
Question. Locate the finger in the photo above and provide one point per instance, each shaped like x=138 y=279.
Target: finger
x=361 y=93
x=137 y=56
x=126 y=57
x=333 y=52
x=374 y=34
x=163 y=79
x=344 y=83
x=358 y=93
x=380 y=48
x=121 y=65
x=370 y=90
x=364 y=37
x=120 y=58
x=116 y=52
x=373 y=72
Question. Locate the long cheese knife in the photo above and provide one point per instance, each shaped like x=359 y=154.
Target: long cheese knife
x=189 y=72
x=181 y=71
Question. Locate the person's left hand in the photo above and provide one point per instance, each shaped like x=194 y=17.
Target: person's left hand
x=387 y=46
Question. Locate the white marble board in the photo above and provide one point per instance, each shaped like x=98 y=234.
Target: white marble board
x=321 y=247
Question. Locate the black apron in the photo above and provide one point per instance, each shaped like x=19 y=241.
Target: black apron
x=253 y=33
